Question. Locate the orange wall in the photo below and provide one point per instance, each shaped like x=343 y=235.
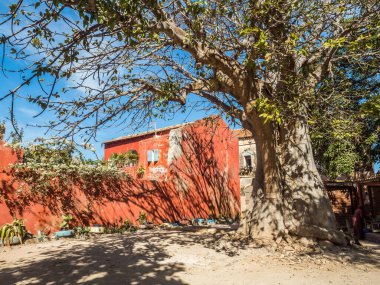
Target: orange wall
x=142 y=144
x=7 y=156
x=204 y=180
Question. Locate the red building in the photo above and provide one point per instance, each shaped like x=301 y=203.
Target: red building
x=190 y=171
x=199 y=157
x=165 y=153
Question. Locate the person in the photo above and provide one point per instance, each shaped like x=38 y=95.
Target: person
x=357 y=224
x=367 y=207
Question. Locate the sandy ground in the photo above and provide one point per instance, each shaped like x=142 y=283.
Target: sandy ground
x=176 y=258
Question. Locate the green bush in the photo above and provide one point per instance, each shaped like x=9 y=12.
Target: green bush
x=66 y=222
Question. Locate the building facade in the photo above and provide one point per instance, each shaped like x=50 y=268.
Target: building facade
x=202 y=156
x=247 y=164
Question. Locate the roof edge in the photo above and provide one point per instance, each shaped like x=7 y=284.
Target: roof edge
x=131 y=136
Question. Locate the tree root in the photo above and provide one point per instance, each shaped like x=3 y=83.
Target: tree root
x=311 y=231
x=307 y=231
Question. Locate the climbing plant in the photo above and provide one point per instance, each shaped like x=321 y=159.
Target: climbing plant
x=128 y=158
x=52 y=169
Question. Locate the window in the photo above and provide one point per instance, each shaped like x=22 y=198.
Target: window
x=247 y=163
x=153 y=155
x=248 y=160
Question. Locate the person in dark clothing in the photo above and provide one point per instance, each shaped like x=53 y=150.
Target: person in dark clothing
x=357 y=224
x=367 y=212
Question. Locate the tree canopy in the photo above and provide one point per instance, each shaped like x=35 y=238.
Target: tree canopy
x=147 y=56
x=345 y=129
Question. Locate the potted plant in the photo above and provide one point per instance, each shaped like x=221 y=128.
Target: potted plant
x=66 y=222
x=143 y=221
x=140 y=171
x=13 y=233
x=142 y=218
x=82 y=232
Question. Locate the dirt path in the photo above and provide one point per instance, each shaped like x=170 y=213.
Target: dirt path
x=172 y=257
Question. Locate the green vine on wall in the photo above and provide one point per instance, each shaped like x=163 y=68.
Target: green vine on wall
x=50 y=169
x=129 y=158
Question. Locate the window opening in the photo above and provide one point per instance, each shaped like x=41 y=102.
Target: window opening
x=153 y=155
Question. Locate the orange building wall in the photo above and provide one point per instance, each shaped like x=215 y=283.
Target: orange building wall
x=203 y=181
x=342 y=206
x=142 y=144
x=7 y=156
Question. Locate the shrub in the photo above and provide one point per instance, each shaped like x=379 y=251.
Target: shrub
x=8 y=231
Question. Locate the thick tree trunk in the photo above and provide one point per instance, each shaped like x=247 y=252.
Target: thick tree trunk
x=288 y=196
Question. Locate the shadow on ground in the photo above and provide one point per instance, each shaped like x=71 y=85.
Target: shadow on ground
x=145 y=257
x=111 y=259
x=134 y=258
x=367 y=254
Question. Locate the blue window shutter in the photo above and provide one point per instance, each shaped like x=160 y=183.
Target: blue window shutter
x=150 y=156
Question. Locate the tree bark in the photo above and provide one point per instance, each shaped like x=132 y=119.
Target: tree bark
x=288 y=196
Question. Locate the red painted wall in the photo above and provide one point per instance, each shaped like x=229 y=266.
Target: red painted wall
x=142 y=144
x=7 y=156
x=204 y=180
x=208 y=166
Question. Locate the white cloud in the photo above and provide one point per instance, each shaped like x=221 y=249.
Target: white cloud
x=27 y=111
x=77 y=79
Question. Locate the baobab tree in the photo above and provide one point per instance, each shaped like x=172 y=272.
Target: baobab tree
x=265 y=64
